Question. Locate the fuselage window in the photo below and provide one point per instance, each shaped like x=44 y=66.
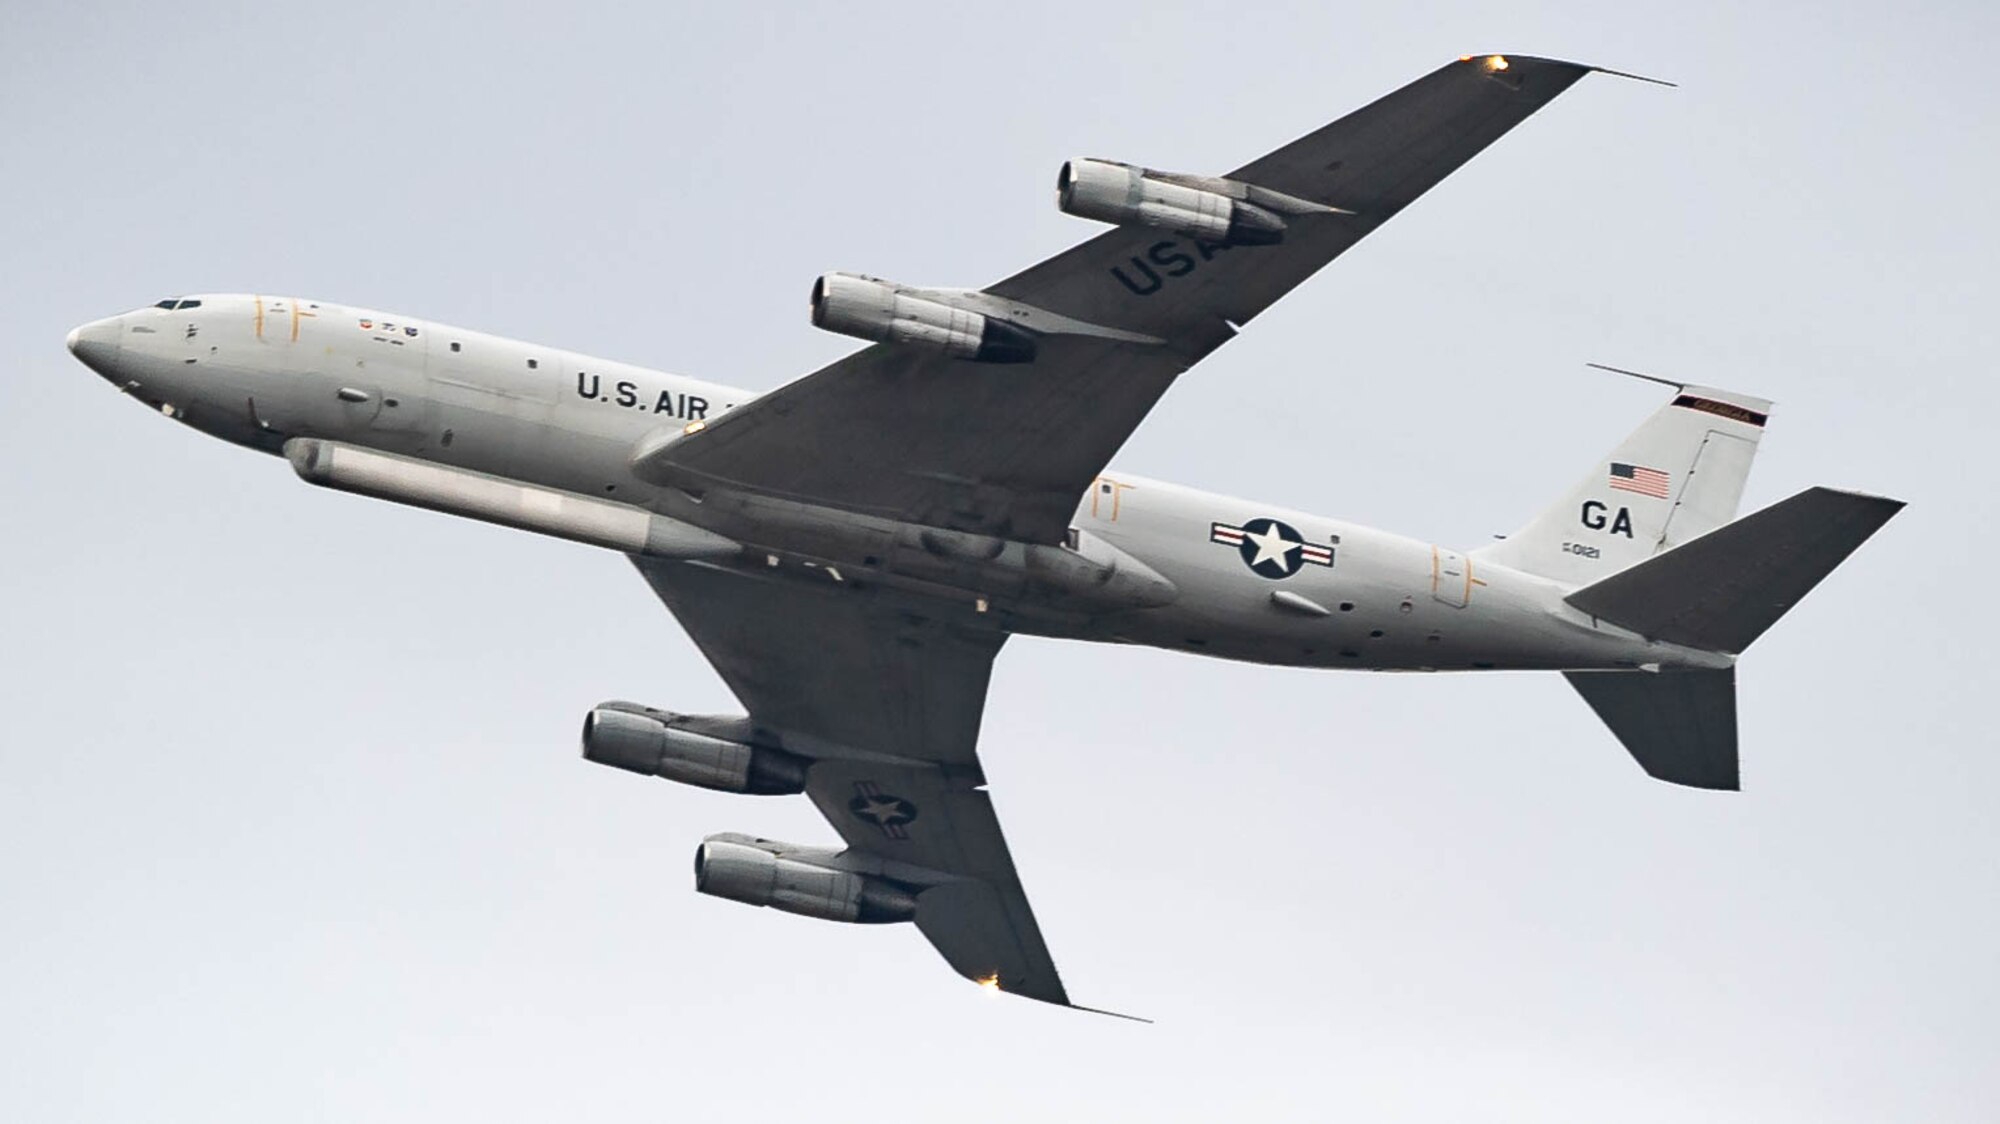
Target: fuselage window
x=532 y=364
x=454 y=345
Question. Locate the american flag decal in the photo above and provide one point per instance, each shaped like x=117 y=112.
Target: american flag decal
x=1638 y=478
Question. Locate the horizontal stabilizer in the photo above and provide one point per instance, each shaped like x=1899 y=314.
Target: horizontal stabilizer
x=1721 y=591
x=1679 y=725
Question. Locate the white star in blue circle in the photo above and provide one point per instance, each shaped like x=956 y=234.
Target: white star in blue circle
x=1272 y=549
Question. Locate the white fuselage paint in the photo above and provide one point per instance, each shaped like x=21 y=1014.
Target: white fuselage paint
x=256 y=370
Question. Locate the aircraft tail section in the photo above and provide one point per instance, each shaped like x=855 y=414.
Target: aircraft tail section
x=1649 y=542
x=1679 y=725
x=1678 y=476
x=1721 y=591
x=1718 y=593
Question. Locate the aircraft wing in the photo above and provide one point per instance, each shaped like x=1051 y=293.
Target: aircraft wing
x=1006 y=449
x=884 y=695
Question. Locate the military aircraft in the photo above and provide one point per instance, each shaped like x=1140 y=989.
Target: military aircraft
x=851 y=550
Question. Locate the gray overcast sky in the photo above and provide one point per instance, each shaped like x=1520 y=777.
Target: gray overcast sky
x=292 y=824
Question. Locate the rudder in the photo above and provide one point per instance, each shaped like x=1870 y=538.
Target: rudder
x=1678 y=476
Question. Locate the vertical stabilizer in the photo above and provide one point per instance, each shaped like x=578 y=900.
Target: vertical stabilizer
x=1678 y=476
x=1679 y=725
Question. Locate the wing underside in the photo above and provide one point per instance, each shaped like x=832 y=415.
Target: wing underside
x=884 y=696
x=1005 y=449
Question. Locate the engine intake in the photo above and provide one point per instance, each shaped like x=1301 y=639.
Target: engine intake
x=1215 y=210
x=802 y=880
x=872 y=309
x=656 y=743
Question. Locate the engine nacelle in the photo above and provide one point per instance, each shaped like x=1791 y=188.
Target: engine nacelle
x=800 y=880
x=656 y=744
x=872 y=309
x=1124 y=195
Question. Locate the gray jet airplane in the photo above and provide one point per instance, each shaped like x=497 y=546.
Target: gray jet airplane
x=851 y=550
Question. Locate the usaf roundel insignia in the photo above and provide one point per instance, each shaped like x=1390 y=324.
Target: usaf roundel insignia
x=1271 y=549
x=885 y=810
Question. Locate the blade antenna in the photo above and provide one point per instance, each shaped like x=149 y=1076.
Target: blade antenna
x=1639 y=375
x=1636 y=77
x=1113 y=1014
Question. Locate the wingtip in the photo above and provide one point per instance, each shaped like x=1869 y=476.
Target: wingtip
x=1494 y=63
x=1497 y=61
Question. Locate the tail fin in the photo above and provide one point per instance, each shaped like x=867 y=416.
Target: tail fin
x=1679 y=725
x=1677 y=476
x=1721 y=591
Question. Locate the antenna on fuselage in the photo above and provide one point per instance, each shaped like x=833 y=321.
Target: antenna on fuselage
x=1639 y=375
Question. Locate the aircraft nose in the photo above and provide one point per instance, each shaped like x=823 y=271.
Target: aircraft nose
x=96 y=344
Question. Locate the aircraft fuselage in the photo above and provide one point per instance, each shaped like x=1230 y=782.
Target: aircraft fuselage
x=1242 y=580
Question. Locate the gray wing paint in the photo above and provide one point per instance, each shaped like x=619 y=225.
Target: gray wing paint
x=1006 y=449
x=980 y=920
x=1719 y=592
x=837 y=667
x=885 y=696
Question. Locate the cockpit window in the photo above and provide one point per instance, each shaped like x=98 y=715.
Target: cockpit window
x=169 y=303
x=175 y=302
x=190 y=304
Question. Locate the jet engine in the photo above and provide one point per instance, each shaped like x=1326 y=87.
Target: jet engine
x=656 y=743
x=1215 y=210
x=802 y=880
x=872 y=309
